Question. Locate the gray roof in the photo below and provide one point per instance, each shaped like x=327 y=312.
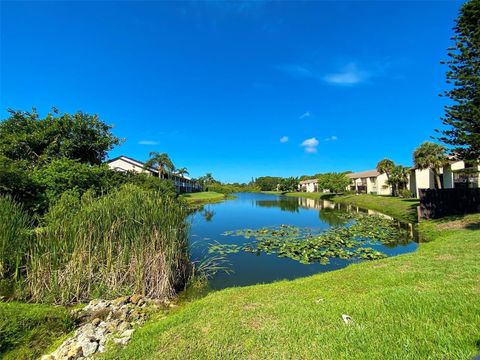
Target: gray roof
x=309 y=181
x=363 y=174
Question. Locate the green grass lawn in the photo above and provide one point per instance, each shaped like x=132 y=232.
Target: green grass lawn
x=401 y=209
x=28 y=330
x=414 y=306
x=204 y=197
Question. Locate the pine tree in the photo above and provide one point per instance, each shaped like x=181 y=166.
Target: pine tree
x=463 y=116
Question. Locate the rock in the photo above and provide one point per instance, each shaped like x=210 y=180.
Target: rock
x=134 y=299
x=96 y=321
x=124 y=325
x=135 y=315
x=127 y=333
x=347 y=319
x=89 y=348
x=74 y=352
x=121 y=341
x=47 y=357
x=122 y=300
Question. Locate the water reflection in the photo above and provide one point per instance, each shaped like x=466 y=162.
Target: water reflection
x=208 y=214
x=329 y=211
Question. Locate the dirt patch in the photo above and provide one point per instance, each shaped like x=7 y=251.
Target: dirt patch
x=251 y=306
x=460 y=224
x=445 y=257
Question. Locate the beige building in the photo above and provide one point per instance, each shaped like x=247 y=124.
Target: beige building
x=124 y=164
x=369 y=182
x=310 y=185
x=456 y=174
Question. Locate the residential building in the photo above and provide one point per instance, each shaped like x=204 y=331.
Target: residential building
x=457 y=174
x=182 y=183
x=369 y=182
x=310 y=185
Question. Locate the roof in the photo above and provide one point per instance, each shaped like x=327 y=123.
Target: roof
x=141 y=164
x=309 y=181
x=363 y=174
x=127 y=159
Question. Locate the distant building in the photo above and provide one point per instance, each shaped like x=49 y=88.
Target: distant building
x=182 y=183
x=310 y=185
x=369 y=182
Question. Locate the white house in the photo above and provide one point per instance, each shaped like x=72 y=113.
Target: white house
x=125 y=163
x=310 y=185
x=369 y=182
x=457 y=174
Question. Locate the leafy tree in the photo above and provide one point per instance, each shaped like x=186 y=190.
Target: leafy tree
x=288 y=184
x=268 y=183
x=161 y=162
x=430 y=156
x=60 y=175
x=463 y=117
x=334 y=182
x=82 y=137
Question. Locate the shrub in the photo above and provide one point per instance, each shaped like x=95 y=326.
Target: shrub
x=129 y=241
x=405 y=193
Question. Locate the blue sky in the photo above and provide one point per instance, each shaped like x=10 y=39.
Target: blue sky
x=239 y=89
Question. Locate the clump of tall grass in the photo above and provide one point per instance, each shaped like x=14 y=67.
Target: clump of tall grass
x=129 y=241
x=14 y=238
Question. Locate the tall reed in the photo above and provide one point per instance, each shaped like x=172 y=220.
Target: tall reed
x=14 y=237
x=129 y=241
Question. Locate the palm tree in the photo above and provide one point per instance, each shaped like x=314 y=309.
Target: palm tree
x=386 y=166
x=182 y=172
x=208 y=178
x=430 y=156
x=161 y=162
x=398 y=178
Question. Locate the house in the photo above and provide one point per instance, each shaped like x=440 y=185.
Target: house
x=310 y=185
x=182 y=183
x=369 y=182
x=456 y=174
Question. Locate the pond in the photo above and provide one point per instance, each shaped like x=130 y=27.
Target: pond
x=257 y=211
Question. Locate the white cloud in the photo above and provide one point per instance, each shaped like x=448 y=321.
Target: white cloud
x=348 y=76
x=331 y=138
x=147 y=142
x=305 y=115
x=310 y=145
x=284 y=139
x=296 y=70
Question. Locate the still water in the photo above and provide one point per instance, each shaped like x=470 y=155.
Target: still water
x=256 y=210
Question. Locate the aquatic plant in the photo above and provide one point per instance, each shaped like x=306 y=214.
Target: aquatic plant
x=129 y=241
x=15 y=226
x=308 y=245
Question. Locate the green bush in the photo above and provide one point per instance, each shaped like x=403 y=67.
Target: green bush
x=128 y=241
x=405 y=193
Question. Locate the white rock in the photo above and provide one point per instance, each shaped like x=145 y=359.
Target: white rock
x=89 y=348
x=347 y=319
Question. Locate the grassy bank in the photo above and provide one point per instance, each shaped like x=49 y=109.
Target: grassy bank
x=415 y=306
x=28 y=330
x=401 y=209
x=205 y=197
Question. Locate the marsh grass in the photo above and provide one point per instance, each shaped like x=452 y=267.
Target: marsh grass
x=14 y=237
x=129 y=241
